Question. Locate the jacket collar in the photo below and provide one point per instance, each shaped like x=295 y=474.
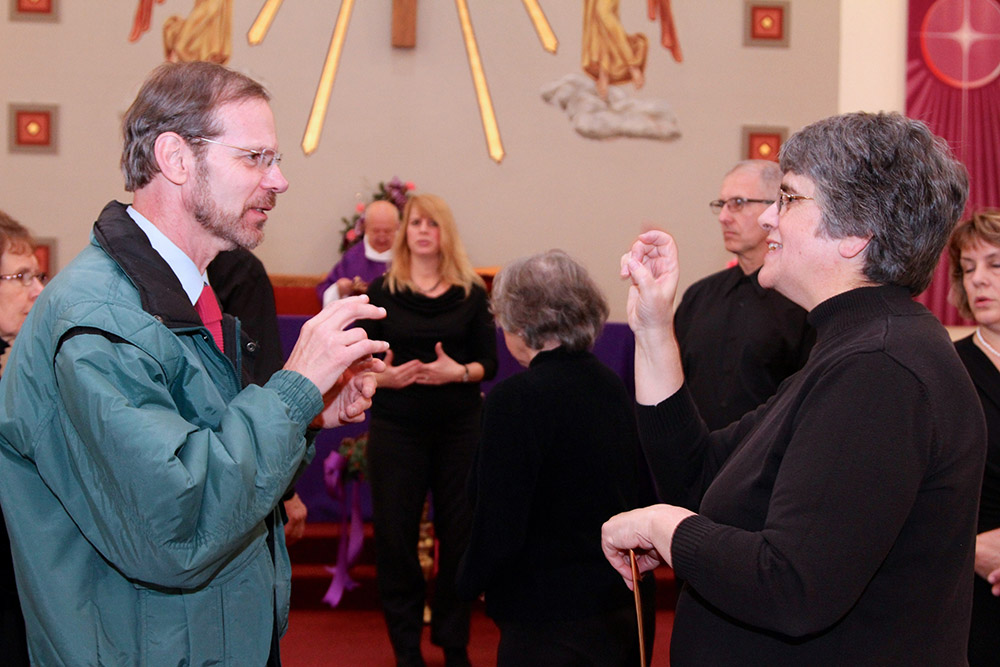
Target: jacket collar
x=159 y=289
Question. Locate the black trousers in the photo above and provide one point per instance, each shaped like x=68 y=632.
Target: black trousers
x=404 y=463
x=984 y=639
x=610 y=639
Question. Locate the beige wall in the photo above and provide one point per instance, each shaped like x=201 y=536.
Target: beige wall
x=413 y=114
x=872 y=55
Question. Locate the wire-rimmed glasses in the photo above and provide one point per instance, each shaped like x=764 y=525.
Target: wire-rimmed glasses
x=784 y=199
x=263 y=158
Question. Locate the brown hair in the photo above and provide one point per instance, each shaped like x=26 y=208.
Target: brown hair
x=14 y=237
x=984 y=227
x=181 y=98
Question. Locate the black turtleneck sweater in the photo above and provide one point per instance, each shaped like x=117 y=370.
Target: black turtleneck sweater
x=559 y=456
x=836 y=523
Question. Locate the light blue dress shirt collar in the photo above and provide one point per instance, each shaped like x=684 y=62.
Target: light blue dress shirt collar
x=192 y=281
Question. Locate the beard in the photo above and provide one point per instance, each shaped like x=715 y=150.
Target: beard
x=230 y=227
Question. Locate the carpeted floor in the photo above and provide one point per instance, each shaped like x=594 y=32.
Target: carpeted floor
x=357 y=638
x=354 y=634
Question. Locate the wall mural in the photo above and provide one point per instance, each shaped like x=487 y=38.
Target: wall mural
x=594 y=101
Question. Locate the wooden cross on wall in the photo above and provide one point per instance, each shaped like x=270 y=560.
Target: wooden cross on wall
x=404 y=23
x=404 y=35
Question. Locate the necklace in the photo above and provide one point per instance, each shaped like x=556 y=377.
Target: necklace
x=979 y=335
x=438 y=284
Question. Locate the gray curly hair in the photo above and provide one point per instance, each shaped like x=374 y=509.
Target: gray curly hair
x=549 y=297
x=887 y=177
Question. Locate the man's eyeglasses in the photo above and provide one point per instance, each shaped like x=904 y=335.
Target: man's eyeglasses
x=784 y=199
x=735 y=204
x=262 y=158
x=26 y=277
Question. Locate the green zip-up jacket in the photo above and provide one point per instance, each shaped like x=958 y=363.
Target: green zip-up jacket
x=137 y=472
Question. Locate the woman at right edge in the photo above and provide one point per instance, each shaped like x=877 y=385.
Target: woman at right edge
x=974 y=251
x=836 y=523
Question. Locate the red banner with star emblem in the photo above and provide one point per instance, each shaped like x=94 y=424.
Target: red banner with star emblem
x=953 y=84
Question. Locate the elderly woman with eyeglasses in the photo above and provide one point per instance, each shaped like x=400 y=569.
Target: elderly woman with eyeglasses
x=974 y=251
x=559 y=454
x=20 y=279
x=835 y=524
x=20 y=284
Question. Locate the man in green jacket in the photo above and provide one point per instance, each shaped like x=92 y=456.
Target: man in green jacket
x=139 y=473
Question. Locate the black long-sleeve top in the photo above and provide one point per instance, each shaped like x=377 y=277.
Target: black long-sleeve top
x=738 y=342
x=836 y=523
x=559 y=456
x=414 y=323
x=987 y=380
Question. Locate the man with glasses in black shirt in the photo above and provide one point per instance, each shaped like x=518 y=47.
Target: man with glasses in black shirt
x=739 y=340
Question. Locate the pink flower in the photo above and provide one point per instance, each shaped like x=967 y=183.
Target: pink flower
x=410 y=185
x=360 y=208
x=351 y=234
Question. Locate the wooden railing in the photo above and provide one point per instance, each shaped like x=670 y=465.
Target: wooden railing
x=295 y=294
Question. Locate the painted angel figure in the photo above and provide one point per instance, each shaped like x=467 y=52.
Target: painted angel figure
x=612 y=56
x=668 y=33
x=206 y=34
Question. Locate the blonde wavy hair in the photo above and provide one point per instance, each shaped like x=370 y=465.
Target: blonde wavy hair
x=456 y=269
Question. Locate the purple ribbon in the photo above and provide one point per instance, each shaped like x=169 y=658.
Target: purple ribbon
x=351 y=528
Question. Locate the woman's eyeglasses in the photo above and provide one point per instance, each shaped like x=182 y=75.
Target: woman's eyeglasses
x=26 y=277
x=784 y=199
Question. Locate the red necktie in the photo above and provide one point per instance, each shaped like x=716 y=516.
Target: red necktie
x=210 y=313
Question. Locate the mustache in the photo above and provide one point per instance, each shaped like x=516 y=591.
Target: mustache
x=266 y=201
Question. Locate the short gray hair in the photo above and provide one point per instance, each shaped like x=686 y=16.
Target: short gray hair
x=181 y=98
x=768 y=172
x=886 y=177
x=549 y=297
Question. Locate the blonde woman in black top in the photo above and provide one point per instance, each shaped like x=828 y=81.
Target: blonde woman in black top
x=425 y=421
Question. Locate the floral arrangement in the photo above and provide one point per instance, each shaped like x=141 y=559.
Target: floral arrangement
x=395 y=191
x=355 y=452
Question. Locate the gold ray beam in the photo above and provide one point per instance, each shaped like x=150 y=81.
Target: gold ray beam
x=542 y=27
x=263 y=22
x=493 y=143
x=310 y=140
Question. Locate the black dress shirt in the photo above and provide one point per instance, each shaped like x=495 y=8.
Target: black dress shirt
x=738 y=341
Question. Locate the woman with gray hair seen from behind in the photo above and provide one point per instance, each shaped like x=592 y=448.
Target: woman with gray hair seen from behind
x=559 y=454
